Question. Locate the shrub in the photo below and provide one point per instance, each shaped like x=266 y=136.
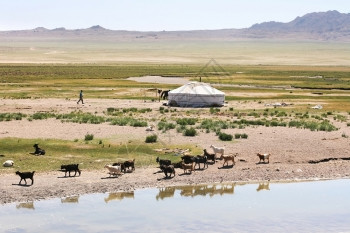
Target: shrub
x=89 y=137
x=151 y=138
x=191 y=132
x=237 y=135
x=225 y=137
x=186 y=121
x=244 y=136
x=137 y=123
x=165 y=126
x=214 y=110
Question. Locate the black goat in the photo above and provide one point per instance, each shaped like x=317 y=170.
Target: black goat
x=129 y=164
x=187 y=159
x=126 y=165
x=201 y=159
x=38 y=151
x=161 y=162
x=26 y=175
x=168 y=170
x=177 y=165
x=69 y=168
x=209 y=156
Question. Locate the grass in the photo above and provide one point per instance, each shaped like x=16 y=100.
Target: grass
x=91 y=156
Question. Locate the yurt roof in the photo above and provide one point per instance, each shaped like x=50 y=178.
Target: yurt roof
x=197 y=88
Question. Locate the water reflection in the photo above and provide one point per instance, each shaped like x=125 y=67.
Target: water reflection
x=196 y=190
x=119 y=196
x=263 y=186
x=25 y=205
x=71 y=199
x=226 y=207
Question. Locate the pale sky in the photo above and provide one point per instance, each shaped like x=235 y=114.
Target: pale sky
x=156 y=15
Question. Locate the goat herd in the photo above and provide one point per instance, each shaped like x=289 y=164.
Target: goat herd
x=188 y=163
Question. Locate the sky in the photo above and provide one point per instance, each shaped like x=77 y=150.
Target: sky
x=156 y=15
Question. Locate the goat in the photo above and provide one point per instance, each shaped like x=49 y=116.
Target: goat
x=209 y=155
x=164 y=95
x=187 y=167
x=165 y=162
x=129 y=164
x=70 y=167
x=26 y=175
x=177 y=165
x=114 y=170
x=38 y=150
x=168 y=170
x=262 y=157
x=150 y=128
x=218 y=150
x=187 y=159
x=8 y=163
x=201 y=159
x=228 y=158
x=122 y=166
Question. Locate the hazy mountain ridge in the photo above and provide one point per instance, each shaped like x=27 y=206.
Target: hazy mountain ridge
x=330 y=25
x=323 y=25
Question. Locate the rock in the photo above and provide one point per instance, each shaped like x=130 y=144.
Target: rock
x=8 y=163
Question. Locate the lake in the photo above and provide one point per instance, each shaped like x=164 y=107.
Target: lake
x=318 y=206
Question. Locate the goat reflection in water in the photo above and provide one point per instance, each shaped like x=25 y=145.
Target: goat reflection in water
x=263 y=186
x=197 y=190
x=71 y=199
x=25 y=205
x=119 y=196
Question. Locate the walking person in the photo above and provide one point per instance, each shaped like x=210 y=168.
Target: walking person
x=81 y=97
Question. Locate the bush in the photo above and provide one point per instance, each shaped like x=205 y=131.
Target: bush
x=165 y=126
x=89 y=137
x=191 y=132
x=151 y=138
x=214 y=110
x=244 y=136
x=186 y=121
x=237 y=135
x=225 y=137
x=138 y=123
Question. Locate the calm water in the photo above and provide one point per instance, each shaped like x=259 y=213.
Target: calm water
x=322 y=206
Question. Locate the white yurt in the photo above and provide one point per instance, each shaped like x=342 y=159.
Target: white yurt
x=196 y=95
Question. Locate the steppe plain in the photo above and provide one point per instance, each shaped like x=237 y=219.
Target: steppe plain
x=40 y=82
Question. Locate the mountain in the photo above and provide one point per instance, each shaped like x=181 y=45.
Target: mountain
x=324 y=26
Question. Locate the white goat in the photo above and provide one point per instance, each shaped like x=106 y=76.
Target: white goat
x=150 y=128
x=8 y=163
x=218 y=150
x=114 y=170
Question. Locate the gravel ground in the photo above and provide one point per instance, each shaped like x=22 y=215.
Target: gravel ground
x=291 y=152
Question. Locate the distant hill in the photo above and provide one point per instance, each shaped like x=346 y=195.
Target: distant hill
x=324 y=26
x=321 y=26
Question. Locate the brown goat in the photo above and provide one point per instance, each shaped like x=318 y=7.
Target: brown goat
x=188 y=167
x=262 y=157
x=227 y=158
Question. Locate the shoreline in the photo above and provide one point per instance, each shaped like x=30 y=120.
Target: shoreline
x=52 y=185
